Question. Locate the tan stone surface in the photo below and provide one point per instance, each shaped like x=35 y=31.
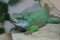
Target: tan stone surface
x=5 y=36
x=49 y=32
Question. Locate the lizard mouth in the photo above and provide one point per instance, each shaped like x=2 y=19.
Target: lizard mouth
x=23 y=24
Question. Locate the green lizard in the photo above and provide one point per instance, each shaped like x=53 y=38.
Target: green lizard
x=35 y=20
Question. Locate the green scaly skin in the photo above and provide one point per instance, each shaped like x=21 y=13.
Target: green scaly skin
x=38 y=19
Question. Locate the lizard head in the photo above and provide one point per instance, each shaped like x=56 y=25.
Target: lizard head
x=19 y=20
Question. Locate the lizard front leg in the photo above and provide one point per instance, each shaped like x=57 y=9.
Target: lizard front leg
x=31 y=29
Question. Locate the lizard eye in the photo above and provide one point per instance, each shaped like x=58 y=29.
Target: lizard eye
x=22 y=18
x=26 y=19
x=18 y=18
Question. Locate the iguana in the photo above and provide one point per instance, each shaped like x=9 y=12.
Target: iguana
x=34 y=20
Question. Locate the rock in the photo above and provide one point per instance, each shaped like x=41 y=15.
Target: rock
x=5 y=36
x=49 y=32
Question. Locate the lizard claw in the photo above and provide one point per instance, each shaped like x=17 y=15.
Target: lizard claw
x=27 y=33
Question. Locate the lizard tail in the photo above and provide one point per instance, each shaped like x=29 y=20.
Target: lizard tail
x=55 y=20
